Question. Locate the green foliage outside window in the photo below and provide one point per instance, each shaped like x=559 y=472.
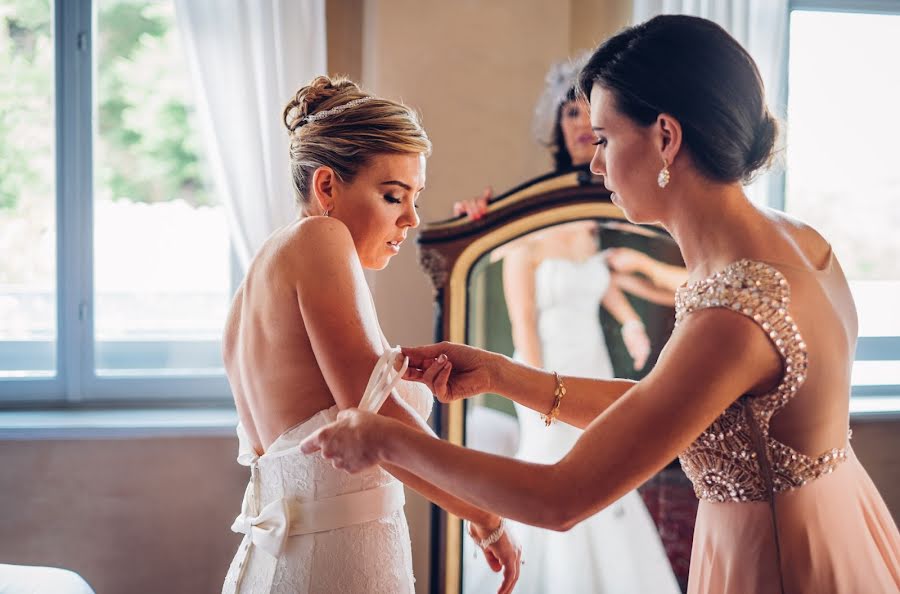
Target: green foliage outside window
x=145 y=138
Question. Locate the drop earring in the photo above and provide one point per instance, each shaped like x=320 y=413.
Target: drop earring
x=663 y=178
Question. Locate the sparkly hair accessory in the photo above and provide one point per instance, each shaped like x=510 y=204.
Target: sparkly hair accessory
x=335 y=110
x=560 y=79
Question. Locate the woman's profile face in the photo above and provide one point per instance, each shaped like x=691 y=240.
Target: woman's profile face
x=575 y=122
x=626 y=157
x=379 y=206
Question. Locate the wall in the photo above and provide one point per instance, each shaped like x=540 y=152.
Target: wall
x=136 y=516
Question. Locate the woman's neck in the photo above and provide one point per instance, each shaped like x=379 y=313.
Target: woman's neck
x=712 y=223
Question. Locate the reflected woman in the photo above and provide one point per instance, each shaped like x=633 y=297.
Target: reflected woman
x=752 y=390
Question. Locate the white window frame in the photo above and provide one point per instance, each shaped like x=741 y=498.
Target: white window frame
x=76 y=381
x=868 y=348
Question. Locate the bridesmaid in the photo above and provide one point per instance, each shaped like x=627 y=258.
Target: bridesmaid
x=752 y=390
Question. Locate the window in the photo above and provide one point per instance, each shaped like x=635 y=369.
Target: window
x=28 y=267
x=843 y=175
x=115 y=276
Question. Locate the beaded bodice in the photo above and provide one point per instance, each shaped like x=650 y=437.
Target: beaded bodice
x=735 y=459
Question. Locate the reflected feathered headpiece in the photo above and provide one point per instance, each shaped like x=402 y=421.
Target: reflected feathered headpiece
x=560 y=79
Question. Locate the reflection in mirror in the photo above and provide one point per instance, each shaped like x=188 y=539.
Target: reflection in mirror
x=590 y=298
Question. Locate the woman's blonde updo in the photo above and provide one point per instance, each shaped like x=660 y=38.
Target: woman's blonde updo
x=345 y=141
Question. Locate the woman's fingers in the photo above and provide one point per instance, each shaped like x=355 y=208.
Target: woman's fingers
x=313 y=443
x=510 y=575
x=441 y=383
x=418 y=356
x=431 y=372
x=414 y=375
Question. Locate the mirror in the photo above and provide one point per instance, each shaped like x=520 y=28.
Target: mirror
x=554 y=276
x=553 y=299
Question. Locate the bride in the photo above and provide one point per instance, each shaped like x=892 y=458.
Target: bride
x=301 y=339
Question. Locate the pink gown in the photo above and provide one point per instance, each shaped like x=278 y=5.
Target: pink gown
x=786 y=518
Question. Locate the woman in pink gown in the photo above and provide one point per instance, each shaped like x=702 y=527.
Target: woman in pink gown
x=752 y=391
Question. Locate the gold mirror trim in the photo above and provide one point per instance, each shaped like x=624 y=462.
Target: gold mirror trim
x=457 y=299
x=569 y=180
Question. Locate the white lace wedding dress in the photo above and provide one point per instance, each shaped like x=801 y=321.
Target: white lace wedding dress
x=309 y=528
x=619 y=549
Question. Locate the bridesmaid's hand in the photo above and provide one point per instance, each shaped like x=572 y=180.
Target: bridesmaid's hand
x=352 y=442
x=626 y=260
x=451 y=371
x=637 y=343
x=505 y=554
x=475 y=208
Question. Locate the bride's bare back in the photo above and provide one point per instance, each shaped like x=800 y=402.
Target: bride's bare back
x=268 y=356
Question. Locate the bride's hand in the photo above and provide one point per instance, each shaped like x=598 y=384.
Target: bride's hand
x=451 y=371
x=505 y=554
x=350 y=442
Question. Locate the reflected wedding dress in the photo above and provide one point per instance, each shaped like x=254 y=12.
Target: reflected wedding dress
x=311 y=528
x=617 y=550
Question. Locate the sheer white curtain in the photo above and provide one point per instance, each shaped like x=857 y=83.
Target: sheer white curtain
x=761 y=26
x=246 y=59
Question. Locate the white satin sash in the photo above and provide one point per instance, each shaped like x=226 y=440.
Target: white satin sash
x=289 y=516
x=383 y=379
x=269 y=529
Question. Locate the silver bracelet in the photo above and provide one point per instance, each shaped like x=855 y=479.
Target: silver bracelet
x=492 y=537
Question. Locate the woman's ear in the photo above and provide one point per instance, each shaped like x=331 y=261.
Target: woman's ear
x=324 y=185
x=670 y=137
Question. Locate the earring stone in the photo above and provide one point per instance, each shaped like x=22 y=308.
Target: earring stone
x=663 y=178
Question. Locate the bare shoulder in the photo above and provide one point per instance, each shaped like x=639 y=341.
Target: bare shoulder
x=525 y=252
x=812 y=245
x=320 y=233
x=519 y=248
x=316 y=244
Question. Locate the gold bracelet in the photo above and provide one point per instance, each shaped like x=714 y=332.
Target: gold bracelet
x=558 y=394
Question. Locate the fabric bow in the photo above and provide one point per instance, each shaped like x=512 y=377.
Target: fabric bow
x=268 y=530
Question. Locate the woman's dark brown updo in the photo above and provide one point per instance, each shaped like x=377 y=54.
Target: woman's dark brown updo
x=693 y=70
x=345 y=141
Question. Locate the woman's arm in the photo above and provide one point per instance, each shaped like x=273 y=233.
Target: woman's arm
x=519 y=290
x=633 y=333
x=628 y=260
x=666 y=276
x=346 y=339
x=474 y=371
x=714 y=358
x=644 y=289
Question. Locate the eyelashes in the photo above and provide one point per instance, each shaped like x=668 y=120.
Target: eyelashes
x=395 y=200
x=599 y=142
